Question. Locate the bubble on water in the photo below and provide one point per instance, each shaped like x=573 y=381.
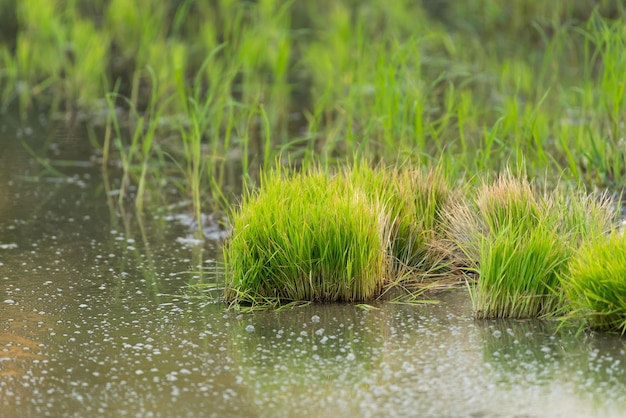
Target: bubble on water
x=497 y=333
x=250 y=328
x=408 y=367
x=315 y=319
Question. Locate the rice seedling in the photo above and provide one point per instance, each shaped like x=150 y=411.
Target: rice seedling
x=306 y=237
x=293 y=252
x=85 y=77
x=414 y=200
x=583 y=217
x=39 y=49
x=8 y=78
x=603 y=147
x=417 y=202
x=518 y=241
x=595 y=284
x=518 y=271
x=493 y=209
x=383 y=80
x=138 y=156
x=143 y=21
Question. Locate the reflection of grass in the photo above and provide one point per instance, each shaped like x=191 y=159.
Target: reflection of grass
x=301 y=358
x=596 y=284
x=524 y=350
x=533 y=353
x=519 y=241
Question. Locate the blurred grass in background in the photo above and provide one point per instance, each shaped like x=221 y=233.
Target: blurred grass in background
x=474 y=85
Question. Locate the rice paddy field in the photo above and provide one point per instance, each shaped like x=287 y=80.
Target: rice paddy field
x=311 y=208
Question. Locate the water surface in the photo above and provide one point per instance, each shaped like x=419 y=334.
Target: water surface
x=96 y=319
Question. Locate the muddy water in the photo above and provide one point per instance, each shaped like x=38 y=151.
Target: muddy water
x=96 y=320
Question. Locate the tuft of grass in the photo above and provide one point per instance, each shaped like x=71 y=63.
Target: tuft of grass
x=495 y=208
x=518 y=241
x=415 y=201
x=419 y=200
x=315 y=236
x=518 y=273
x=595 y=285
x=306 y=237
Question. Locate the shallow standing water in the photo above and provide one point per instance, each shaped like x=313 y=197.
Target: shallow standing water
x=94 y=322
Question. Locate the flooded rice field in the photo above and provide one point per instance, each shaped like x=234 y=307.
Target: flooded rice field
x=96 y=319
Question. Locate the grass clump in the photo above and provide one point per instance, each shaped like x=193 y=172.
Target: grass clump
x=519 y=241
x=343 y=237
x=518 y=270
x=415 y=200
x=595 y=285
x=306 y=237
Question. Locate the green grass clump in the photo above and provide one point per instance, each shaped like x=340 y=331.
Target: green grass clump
x=306 y=237
x=518 y=273
x=316 y=236
x=520 y=253
x=415 y=200
x=519 y=241
x=596 y=283
x=417 y=203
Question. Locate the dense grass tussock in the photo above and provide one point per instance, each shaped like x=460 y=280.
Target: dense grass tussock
x=519 y=241
x=313 y=236
x=420 y=199
x=518 y=273
x=415 y=201
x=343 y=237
x=307 y=237
x=596 y=283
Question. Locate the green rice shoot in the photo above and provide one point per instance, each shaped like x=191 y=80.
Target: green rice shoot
x=307 y=237
x=595 y=285
x=518 y=242
x=342 y=237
